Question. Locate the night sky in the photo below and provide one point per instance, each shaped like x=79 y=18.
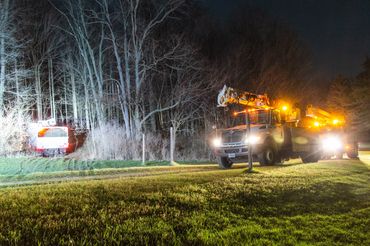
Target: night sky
x=336 y=31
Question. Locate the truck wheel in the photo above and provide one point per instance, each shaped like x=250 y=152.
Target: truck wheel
x=352 y=154
x=308 y=157
x=269 y=155
x=224 y=162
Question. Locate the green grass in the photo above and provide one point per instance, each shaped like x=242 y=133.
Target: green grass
x=37 y=168
x=298 y=204
x=27 y=165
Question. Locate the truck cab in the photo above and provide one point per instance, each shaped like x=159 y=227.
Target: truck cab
x=266 y=138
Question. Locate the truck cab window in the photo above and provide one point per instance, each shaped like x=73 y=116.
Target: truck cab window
x=259 y=117
x=276 y=117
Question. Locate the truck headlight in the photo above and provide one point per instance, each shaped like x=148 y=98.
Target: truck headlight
x=253 y=139
x=331 y=143
x=216 y=142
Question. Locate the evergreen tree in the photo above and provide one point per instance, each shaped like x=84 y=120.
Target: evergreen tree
x=361 y=99
x=339 y=96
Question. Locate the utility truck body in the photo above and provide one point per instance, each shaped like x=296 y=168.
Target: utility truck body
x=270 y=140
x=271 y=132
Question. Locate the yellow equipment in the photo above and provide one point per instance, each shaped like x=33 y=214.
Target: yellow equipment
x=323 y=118
x=229 y=95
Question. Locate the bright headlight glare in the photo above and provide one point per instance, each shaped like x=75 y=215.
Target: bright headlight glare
x=331 y=143
x=252 y=139
x=216 y=142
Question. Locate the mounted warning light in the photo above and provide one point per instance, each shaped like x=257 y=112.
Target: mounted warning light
x=284 y=107
x=335 y=122
x=316 y=123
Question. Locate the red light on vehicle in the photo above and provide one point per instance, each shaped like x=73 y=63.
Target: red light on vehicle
x=38 y=149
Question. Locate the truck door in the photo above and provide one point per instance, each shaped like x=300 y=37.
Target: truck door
x=277 y=130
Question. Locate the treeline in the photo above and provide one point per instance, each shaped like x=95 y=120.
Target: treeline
x=350 y=97
x=128 y=67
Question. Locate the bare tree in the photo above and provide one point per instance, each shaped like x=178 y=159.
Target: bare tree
x=8 y=46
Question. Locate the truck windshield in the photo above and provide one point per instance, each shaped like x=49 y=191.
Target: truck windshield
x=256 y=117
x=259 y=116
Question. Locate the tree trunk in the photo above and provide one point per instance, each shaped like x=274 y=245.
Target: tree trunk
x=51 y=89
x=73 y=87
x=38 y=92
x=5 y=14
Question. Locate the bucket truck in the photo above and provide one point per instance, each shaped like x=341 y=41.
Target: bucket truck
x=277 y=131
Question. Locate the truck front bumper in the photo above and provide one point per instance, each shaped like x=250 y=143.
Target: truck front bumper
x=237 y=152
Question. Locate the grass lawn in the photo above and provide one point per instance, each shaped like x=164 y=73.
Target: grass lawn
x=324 y=203
x=38 y=169
x=30 y=165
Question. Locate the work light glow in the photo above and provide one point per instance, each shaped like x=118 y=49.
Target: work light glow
x=331 y=143
x=253 y=139
x=216 y=142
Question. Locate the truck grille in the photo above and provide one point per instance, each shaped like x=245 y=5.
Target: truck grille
x=232 y=136
x=229 y=151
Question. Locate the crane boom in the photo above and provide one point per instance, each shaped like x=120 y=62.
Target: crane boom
x=323 y=116
x=318 y=112
x=229 y=96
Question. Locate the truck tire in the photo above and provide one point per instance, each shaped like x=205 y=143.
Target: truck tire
x=224 y=162
x=309 y=157
x=268 y=155
x=352 y=154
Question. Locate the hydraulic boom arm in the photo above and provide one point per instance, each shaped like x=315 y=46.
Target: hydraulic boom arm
x=229 y=96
